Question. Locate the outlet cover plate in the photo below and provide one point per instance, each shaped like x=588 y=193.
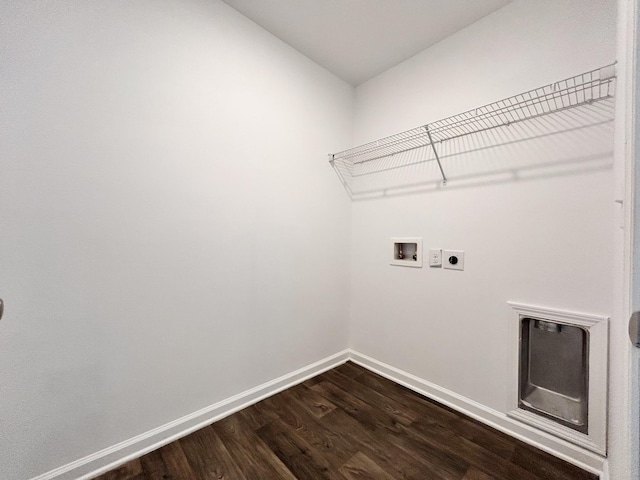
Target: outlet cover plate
x=447 y=259
x=435 y=257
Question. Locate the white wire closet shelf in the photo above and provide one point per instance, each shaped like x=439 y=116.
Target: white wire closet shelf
x=586 y=89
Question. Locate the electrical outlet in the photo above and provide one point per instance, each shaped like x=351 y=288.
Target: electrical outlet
x=453 y=259
x=435 y=257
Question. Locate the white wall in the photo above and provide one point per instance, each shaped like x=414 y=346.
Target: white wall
x=634 y=412
x=546 y=241
x=629 y=39
x=171 y=232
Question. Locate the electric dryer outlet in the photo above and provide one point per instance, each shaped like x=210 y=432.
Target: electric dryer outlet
x=453 y=259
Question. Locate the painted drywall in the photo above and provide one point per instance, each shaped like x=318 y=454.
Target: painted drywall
x=530 y=234
x=171 y=232
x=629 y=143
x=634 y=410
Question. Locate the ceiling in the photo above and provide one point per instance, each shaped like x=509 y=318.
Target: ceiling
x=359 y=39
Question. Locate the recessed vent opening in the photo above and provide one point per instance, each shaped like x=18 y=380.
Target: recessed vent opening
x=554 y=371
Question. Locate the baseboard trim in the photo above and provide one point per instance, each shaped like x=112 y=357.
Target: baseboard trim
x=555 y=446
x=112 y=457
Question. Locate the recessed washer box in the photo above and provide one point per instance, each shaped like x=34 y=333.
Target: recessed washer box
x=406 y=252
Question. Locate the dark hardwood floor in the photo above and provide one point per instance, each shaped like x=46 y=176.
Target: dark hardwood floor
x=347 y=424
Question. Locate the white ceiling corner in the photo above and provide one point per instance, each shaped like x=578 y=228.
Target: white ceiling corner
x=359 y=39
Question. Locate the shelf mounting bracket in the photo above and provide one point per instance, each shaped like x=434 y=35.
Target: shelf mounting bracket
x=435 y=152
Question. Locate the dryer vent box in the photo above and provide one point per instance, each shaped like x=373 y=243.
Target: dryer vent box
x=406 y=252
x=559 y=373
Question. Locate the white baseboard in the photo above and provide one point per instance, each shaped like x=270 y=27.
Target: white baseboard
x=109 y=458
x=555 y=446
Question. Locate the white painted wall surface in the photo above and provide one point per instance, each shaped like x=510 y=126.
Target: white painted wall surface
x=629 y=41
x=634 y=410
x=171 y=232
x=544 y=241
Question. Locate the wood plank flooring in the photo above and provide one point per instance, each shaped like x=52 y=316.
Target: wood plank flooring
x=347 y=424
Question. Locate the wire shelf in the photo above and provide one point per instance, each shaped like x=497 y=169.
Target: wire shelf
x=584 y=89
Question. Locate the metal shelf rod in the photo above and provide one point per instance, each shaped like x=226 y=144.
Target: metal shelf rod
x=435 y=152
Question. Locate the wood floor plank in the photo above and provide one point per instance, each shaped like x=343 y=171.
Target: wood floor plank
x=548 y=467
x=153 y=466
x=430 y=412
x=312 y=381
x=382 y=424
x=424 y=407
x=396 y=410
x=333 y=445
x=258 y=415
x=400 y=463
x=167 y=463
x=248 y=449
x=301 y=458
x=481 y=446
x=486 y=437
x=176 y=462
x=476 y=455
x=497 y=464
x=371 y=418
x=439 y=438
x=316 y=404
x=361 y=467
x=346 y=424
x=475 y=474
x=209 y=457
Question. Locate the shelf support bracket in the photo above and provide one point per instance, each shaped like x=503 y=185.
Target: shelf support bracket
x=435 y=152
